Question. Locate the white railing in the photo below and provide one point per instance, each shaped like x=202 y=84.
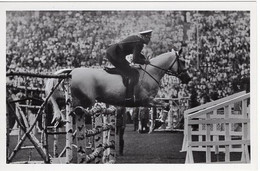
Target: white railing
x=221 y=126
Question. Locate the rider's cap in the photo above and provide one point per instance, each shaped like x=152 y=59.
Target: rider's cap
x=146 y=33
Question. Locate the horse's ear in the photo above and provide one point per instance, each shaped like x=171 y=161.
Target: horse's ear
x=180 y=51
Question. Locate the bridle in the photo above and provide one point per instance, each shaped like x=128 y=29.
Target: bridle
x=167 y=71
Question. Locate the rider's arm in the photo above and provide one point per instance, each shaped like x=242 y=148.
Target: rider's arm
x=137 y=56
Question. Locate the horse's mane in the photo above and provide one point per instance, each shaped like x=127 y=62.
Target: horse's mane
x=65 y=70
x=159 y=57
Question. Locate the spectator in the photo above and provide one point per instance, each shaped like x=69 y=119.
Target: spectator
x=45 y=41
x=135 y=117
x=144 y=119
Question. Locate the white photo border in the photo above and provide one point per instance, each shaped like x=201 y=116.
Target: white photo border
x=137 y=5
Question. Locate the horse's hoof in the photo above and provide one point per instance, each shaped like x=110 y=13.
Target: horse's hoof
x=54 y=119
x=60 y=124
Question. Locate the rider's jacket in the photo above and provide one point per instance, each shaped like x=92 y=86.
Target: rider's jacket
x=130 y=45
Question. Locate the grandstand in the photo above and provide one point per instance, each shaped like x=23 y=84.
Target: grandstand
x=216 y=45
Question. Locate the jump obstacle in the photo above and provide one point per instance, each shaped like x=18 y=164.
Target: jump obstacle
x=41 y=147
x=221 y=126
x=102 y=143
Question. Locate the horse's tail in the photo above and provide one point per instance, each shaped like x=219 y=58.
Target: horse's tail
x=50 y=83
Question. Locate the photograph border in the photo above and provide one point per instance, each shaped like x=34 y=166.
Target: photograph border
x=140 y=5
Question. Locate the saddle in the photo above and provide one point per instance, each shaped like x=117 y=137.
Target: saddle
x=126 y=78
x=129 y=81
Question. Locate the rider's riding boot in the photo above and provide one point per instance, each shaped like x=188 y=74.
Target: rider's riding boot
x=130 y=91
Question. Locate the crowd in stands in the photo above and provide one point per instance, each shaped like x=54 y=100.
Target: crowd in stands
x=216 y=45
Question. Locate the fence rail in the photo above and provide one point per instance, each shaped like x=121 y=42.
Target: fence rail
x=37 y=75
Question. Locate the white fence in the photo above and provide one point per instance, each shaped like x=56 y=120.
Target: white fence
x=222 y=126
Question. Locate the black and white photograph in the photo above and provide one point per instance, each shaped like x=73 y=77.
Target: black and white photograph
x=130 y=83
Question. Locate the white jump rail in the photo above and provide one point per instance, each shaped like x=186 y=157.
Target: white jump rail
x=220 y=129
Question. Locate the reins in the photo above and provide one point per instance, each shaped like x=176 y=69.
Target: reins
x=150 y=76
x=167 y=71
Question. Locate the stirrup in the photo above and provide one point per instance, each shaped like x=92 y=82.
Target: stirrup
x=130 y=99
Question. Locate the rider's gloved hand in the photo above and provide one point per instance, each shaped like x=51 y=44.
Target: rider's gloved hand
x=146 y=62
x=142 y=62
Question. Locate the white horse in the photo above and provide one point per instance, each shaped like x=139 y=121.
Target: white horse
x=89 y=85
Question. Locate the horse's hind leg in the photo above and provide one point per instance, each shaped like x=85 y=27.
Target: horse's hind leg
x=57 y=114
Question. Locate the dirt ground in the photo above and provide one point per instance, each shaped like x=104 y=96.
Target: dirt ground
x=141 y=148
x=157 y=147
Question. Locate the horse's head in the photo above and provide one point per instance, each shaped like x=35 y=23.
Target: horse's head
x=169 y=63
x=178 y=68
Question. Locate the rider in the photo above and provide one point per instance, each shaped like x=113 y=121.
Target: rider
x=117 y=53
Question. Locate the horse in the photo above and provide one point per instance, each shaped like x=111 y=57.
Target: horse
x=89 y=85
